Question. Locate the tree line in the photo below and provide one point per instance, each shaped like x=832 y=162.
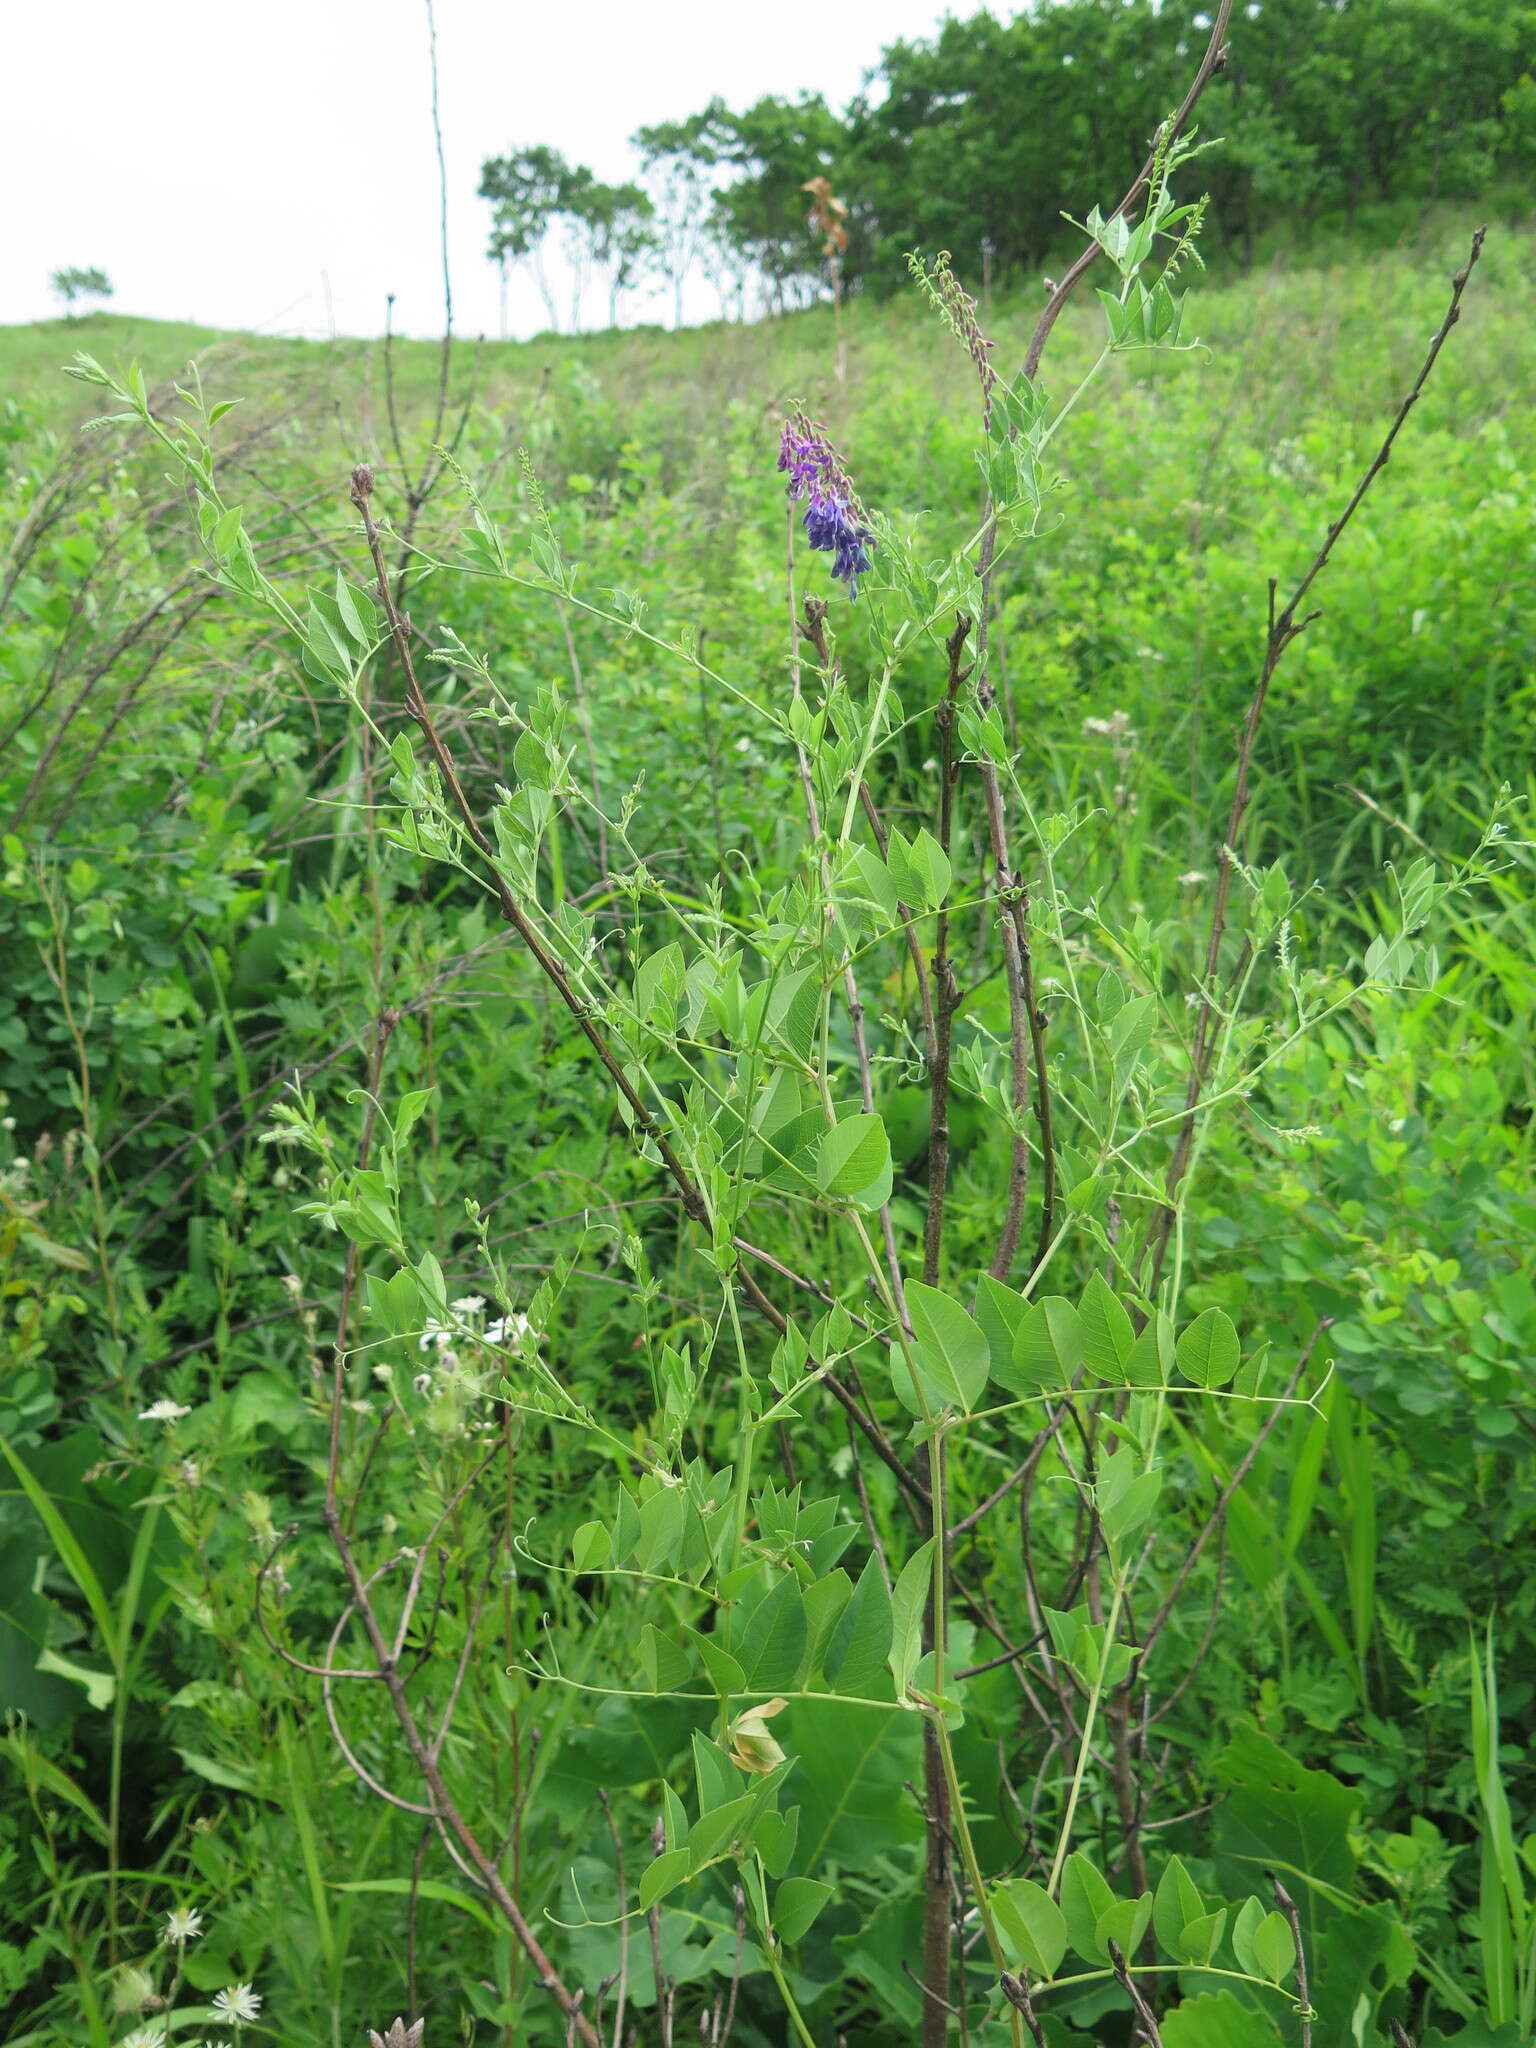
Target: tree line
x=978 y=138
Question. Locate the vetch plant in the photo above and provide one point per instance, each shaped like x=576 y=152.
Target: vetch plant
x=927 y=1118
x=834 y=520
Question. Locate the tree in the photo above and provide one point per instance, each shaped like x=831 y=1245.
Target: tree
x=76 y=283
x=527 y=188
x=777 y=145
x=682 y=159
x=620 y=222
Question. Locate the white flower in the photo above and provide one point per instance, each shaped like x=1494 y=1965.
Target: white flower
x=239 y=2004
x=1193 y=878
x=507 y=1330
x=163 y=1411
x=469 y=1305
x=433 y=1333
x=1112 y=728
x=152 y=2036
x=132 y=1990
x=182 y=1924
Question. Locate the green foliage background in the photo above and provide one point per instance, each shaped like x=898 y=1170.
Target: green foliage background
x=198 y=908
x=984 y=135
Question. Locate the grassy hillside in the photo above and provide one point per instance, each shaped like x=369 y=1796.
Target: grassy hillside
x=238 y=941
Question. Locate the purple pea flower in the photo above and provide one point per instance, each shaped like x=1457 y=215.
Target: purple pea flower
x=835 y=522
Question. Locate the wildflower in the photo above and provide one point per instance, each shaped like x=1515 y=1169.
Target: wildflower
x=399 y=2035
x=507 y=1330
x=1192 y=878
x=163 y=1411
x=469 y=1305
x=433 y=1333
x=133 y=1990
x=152 y=2036
x=182 y=1924
x=835 y=521
x=1116 y=727
x=239 y=2005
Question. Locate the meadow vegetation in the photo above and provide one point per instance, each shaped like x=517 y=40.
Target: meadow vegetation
x=516 y=1506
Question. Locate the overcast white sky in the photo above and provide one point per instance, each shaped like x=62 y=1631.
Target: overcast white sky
x=230 y=163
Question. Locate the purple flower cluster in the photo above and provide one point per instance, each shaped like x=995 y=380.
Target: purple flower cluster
x=834 y=518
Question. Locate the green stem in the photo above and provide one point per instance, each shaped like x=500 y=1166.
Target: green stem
x=866 y=753
x=961 y=1828
x=1095 y=1699
x=744 y=1427
x=776 y=1969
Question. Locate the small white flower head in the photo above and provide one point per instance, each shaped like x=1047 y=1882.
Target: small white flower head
x=468 y=1305
x=422 y=1383
x=152 y=2036
x=182 y=1924
x=167 y=1412
x=189 y=1472
x=1115 y=727
x=239 y=2005
x=509 y=1330
x=382 y=1374
x=1192 y=878
x=433 y=1333
x=133 y=1989
x=293 y=1285
x=399 y=2035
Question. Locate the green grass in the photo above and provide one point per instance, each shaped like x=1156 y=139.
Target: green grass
x=201 y=904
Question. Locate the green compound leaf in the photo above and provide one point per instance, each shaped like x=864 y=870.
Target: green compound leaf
x=773 y=1643
x=1274 y=1948
x=861 y=1641
x=907 y=1606
x=1049 y=1348
x=663 y=1876
x=1244 y=1928
x=1032 y=1925
x=1085 y=1899
x=1108 y=1336
x=952 y=1349
x=853 y=1162
x=1208 y=1351
x=796 y=1904
x=1175 y=1905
